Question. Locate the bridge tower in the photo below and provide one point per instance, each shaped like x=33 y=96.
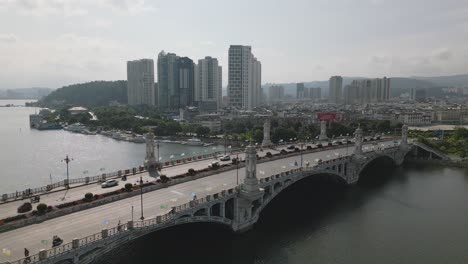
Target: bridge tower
x=404 y=135
x=266 y=133
x=358 y=141
x=150 y=160
x=323 y=130
x=251 y=196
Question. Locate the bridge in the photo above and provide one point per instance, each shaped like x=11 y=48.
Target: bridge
x=238 y=204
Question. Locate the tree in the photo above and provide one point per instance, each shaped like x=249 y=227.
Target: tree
x=88 y=197
x=202 y=131
x=41 y=208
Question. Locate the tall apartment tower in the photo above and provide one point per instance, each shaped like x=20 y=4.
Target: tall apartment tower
x=167 y=79
x=208 y=84
x=335 y=93
x=140 y=82
x=176 y=81
x=300 y=91
x=186 y=87
x=244 y=78
x=276 y=93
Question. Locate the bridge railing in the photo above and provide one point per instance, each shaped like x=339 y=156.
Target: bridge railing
x=172 y=215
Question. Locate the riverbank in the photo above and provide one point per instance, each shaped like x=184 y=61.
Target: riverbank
x=438 y=163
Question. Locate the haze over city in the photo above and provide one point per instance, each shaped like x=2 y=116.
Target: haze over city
x=56 y=43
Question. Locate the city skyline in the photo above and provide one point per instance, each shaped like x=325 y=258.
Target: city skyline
x=66 y=42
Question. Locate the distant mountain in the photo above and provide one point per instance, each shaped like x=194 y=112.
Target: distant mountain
x=97 y=93
x=454 y=80
x=398 y=85
x=25 y=93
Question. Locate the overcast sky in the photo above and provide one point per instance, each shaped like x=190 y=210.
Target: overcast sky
x=51 y=43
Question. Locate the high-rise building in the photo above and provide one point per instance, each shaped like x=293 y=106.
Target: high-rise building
x=335 y=93
x=244 y=78
x=140 y=82
x=315 y=93
x=276 y=93
x=176 y=81
x=208 y=84
x=167 y=79
x=186 y=87
x=367 y=91
x=300 y=90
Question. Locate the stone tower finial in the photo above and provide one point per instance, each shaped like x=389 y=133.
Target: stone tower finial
x=404 y=134
x=323 y=130
x=251 y=181
x=266 y=133
x=358 y=141
x=150 y=159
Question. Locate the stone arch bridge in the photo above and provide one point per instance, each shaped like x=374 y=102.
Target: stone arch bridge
x=238 y=208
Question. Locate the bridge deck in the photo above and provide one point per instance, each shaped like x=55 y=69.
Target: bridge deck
x=158 y=202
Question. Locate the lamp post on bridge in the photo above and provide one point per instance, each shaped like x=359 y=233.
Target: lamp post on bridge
x=237 y=163
x=141 y=195
x=67 y=160
x=302 y=145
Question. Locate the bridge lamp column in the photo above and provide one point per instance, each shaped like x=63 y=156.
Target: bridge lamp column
x=302 y=145
x=67 y=160
x=237 y=164
x=141 y=195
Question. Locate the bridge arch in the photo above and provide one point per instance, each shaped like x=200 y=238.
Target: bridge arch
x=282 y=185
x=386 y=159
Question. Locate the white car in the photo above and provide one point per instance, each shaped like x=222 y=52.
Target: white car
x=109 y=183
x=213 y=164
x=225 y=158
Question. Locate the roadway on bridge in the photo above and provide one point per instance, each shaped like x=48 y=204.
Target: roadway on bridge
x=87 y=222
x=73 y=194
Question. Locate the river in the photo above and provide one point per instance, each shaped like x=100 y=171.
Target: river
x=30 y=158
x=406 y=215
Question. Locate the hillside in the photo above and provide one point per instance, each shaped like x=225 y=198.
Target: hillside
x=398 y=84
x=97 y=93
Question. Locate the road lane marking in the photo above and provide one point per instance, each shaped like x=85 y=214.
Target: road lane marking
x=176 y=192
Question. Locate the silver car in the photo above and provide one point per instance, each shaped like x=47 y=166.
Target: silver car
x=109 y=183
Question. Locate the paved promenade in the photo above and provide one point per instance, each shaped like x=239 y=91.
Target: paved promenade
x=87 y=222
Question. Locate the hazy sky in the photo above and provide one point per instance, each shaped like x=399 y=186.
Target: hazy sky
x=51 y=43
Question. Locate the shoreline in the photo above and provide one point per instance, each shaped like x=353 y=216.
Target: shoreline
x=438 y=163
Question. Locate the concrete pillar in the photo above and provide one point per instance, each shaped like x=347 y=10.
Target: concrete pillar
x=104 y=233
x=251 y=181
x=222 y=210
x=266 y=133
x=42 y=254
x=75 y=243
x=358 y=141
x=323 y=131
x=404 y=135
x=130 y=225
x=150 y=160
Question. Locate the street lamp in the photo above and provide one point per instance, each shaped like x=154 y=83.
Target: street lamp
x=141 y=194
x=67 y=160
x=302 y=145
x=237 y=163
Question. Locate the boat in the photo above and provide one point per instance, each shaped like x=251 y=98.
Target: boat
x=49 y=126
x=194 y=142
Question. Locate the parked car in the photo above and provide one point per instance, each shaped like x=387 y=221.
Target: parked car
x=109 y=183
x=291 y=147
x=225 y=158
x=318 y=161
x=213 y=164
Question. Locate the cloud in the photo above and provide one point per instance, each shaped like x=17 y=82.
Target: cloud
x=63 y=59
x=442 y=55
x=127 y=7
x=68 y=8
x=8 y=38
